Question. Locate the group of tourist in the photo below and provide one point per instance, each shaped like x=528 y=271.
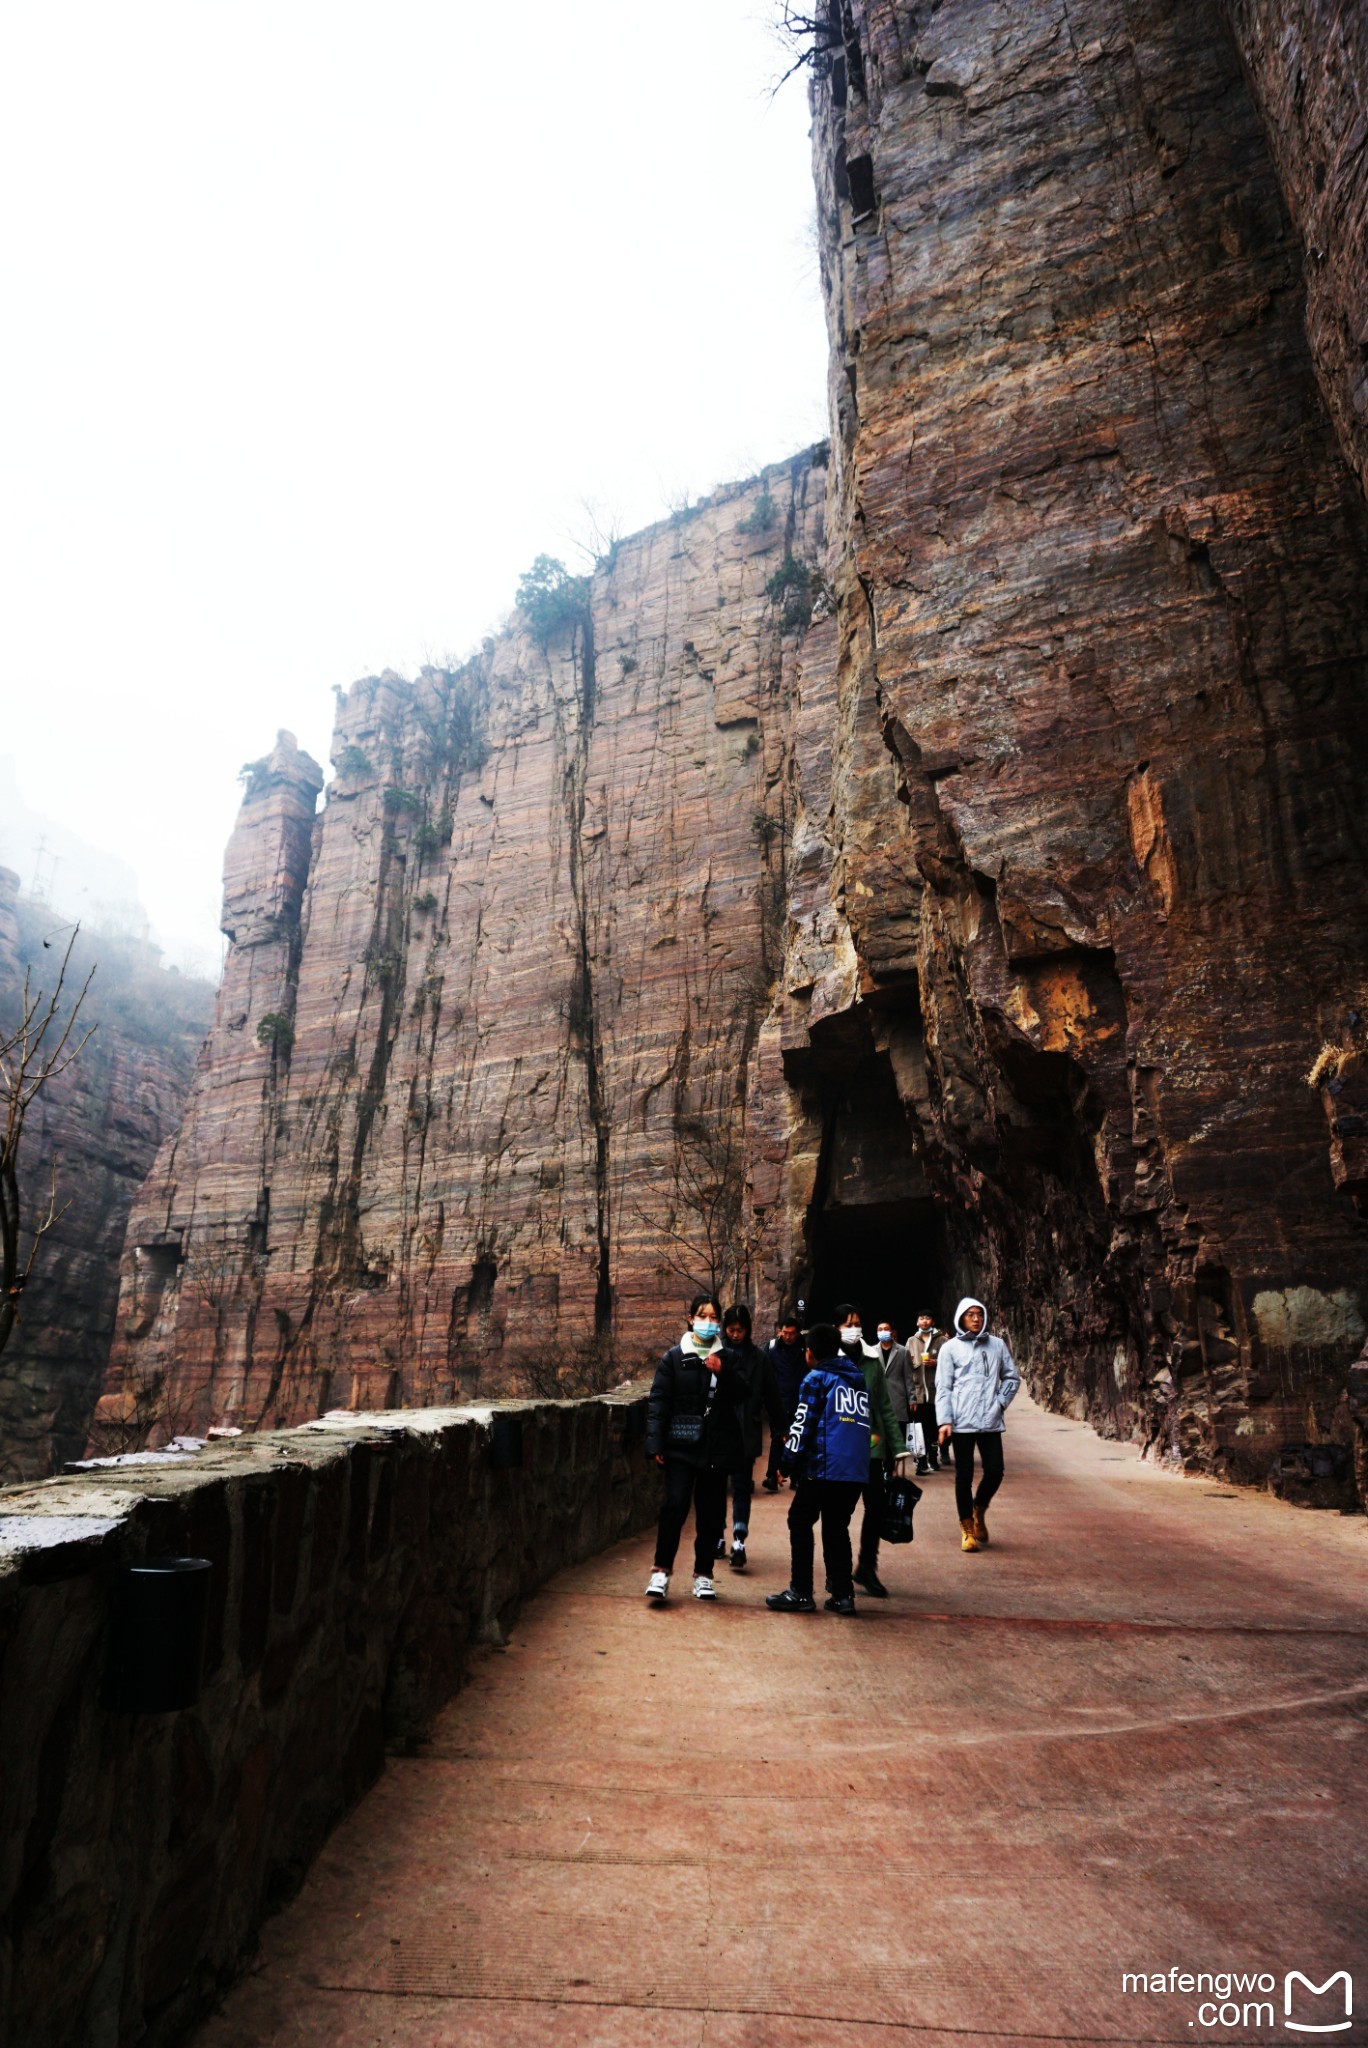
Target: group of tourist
x=843 y=1416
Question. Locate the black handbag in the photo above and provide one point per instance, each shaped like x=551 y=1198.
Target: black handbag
x=686 y=1430
x=900 y=1498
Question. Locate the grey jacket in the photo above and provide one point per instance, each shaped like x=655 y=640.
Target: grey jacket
x=906 y=1382
x=976 y=1379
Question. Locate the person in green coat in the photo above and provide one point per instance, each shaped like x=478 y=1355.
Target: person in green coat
x=886 y=1444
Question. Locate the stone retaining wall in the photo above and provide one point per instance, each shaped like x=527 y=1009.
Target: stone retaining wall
x=354 y=1562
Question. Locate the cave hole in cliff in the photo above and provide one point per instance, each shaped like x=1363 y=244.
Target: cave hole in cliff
x=884 y=1255
x=480 y=1293
x=874 y=1232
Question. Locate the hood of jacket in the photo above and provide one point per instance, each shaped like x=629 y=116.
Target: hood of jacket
x=969 y=1302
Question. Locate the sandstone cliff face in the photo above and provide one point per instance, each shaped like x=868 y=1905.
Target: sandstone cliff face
x=1102 y=599
x=471 y=1104
x=1307 y=63
x=99 y=1124
x=961 y=845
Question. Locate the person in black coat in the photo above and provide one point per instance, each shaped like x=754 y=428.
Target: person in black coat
x=787 y=1359
x=696 y=1429
x=762 y=1399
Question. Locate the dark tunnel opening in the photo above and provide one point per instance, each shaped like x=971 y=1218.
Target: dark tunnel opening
x=886 y=1256
x=875 y=1234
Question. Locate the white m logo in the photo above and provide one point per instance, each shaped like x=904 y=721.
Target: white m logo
x=1318 y=1991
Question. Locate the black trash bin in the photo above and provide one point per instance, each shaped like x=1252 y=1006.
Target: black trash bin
x=156 y=1645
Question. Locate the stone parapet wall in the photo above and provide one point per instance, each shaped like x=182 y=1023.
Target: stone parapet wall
x=355 y=1560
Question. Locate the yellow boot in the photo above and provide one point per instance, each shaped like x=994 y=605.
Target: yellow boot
x=980 y=1527
x=968 y=1540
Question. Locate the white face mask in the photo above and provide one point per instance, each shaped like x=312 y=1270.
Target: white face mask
x=850 y=1334
x=885 y=1334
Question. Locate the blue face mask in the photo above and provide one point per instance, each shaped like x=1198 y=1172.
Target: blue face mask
x=705 y=1328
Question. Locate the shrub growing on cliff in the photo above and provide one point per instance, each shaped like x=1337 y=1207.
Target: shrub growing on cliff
x=426 y=903
x=551 y=599
x=354 y=761
x=401 y=801
x=434 y=832
x=800 y=592
x=382 y=964
x=276 y=1030
x=761 y=516
x=788 y=587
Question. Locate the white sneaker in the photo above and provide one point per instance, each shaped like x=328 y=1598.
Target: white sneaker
x=658 y=1585
x=704 y=1589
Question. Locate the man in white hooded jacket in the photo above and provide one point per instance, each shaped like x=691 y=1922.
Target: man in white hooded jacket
x=976 y=1380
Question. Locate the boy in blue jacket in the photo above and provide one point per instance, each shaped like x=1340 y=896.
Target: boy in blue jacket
x=827 y=1449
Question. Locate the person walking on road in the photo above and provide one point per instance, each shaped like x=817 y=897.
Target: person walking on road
x=695 y=1429
x=976 y=1382
x=761 y=1398
x=906 y=1385
x=924 y=1347
x=827 y=1447
x=787 y=1356
x=886 y=1443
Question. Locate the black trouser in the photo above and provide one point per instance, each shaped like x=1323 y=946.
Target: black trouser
x=776 y=1443
x=925 y=1414
x=742 y=1494
x=871 y=1524
x=989 y=1444
x=832 y=1502
x=707 y=1490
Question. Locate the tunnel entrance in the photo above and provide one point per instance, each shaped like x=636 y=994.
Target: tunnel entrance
x=874 y=1233
x=884 y=1255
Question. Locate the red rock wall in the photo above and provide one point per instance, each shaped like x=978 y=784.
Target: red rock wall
x=99 y=1124
x=1104 y=592
x=1052 y=822
x=523 y=967
x=1307 y=64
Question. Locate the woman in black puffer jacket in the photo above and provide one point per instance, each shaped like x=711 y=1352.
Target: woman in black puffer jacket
x=695 y=1428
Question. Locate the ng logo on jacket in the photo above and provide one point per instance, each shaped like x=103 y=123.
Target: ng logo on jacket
x=830 y=1435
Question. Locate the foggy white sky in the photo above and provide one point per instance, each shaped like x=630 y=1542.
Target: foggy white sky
x=320 y=320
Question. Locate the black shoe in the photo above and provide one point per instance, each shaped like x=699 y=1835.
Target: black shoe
x=845 y=1605
x=737 y=1560
x=770 y=1485
x=789 y=1602
x=721 y=1546
x=922 y=1468
x=872 y=1583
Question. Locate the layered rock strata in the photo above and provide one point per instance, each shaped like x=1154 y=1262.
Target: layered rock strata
x=97 y=1126
x=1102 y=595
x=961 y=846
x=1307 y=64
x=471 y=1103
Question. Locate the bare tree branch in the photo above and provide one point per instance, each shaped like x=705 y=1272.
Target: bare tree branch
x=33 y=1052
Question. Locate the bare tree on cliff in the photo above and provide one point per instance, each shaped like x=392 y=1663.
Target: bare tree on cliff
x=700 y=1234
x=33 y=1052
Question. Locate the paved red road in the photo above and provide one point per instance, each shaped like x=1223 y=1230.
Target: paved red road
x=1128 y=1737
